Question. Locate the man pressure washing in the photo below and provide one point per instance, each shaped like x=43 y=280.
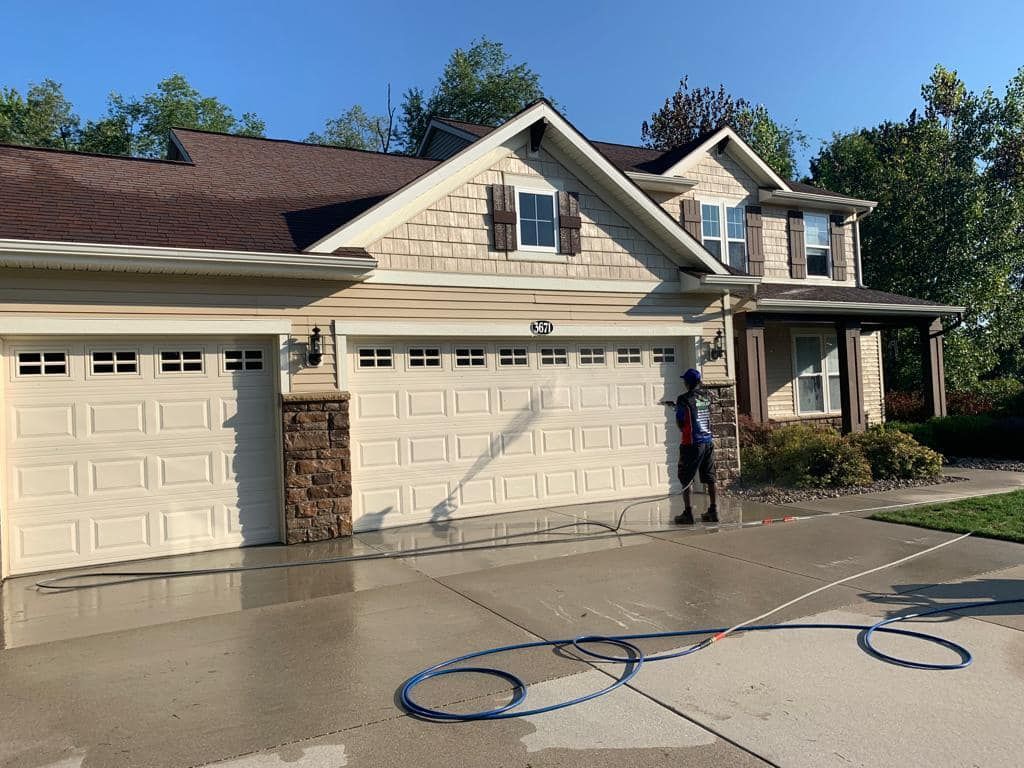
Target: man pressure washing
x=696 y=446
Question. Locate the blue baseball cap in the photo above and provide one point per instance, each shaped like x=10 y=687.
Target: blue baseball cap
x=692 y=376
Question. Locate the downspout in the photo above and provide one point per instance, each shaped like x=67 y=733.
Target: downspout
x=856 y=250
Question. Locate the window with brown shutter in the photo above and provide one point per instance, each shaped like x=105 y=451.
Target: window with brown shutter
x=569 y=223
x=691 y=218
x=797 y=247
x=503 y=217
x=755 y=242
x=838 y=237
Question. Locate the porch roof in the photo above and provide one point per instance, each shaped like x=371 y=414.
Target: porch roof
x=844 y=300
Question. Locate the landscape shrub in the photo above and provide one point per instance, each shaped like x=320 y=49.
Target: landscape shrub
x=982 y=436
x=904 y=406
x=803 y=456
x=754 y=432
x=895 y=455
x=1001 y=391
x=995 y=396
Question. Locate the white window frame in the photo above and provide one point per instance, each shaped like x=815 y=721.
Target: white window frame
x=512 y=348
x=555 y=354
x=825 y=375
x=375 y=357
x=425 y=348
x=723 y=228
x=158 y=361
x=828 y=248
x=553 y=194
x=470 y=348
x=16 y=363
x=263 y=359
x=598 y=356
x=655 y=351
x=90 y=363
x=629 y=363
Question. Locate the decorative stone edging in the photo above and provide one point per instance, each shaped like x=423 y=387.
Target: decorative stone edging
x=317 y=468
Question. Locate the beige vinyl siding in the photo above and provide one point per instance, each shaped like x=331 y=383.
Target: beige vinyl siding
x=454 y=234
x=309 y=303
x=874 y=392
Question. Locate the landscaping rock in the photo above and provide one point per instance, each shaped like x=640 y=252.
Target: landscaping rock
x=973 y=462
x=774 y=495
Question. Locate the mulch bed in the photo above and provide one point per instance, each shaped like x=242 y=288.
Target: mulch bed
x=969 y=462
x=773 y=495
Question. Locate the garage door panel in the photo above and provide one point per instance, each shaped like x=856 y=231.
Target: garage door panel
x=150 y=463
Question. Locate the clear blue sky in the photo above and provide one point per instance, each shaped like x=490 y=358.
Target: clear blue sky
x=826 y=65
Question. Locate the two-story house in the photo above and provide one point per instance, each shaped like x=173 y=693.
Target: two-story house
x=257 y=341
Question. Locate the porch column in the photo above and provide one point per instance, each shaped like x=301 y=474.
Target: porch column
x=851 y=377
x=751 y=367
x=933 y=371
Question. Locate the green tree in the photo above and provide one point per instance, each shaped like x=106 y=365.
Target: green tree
x=42 y=118
x=949 y=226
x=355 y=129
x=688 y=113
x=478 y=85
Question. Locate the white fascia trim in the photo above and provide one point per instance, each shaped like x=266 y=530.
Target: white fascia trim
x=103 y=257
x=748 y=157
x=516 y=282
x=811 y=200
x=835 y=307
x=14 y=325
x=730 y=280
x=477 y=157
x=411 y=328
x=653 y=182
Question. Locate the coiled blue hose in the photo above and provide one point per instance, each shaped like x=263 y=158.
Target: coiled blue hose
x=635 y=658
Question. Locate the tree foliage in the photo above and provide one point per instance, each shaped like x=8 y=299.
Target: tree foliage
x=688 y=113
x=477 y=85
x=949 y=226
x=132 y=126
x=355 y=129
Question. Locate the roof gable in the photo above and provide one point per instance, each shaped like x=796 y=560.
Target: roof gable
x=730 y=142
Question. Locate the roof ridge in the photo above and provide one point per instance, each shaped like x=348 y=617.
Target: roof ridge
x=299 y=143
x=80 y=153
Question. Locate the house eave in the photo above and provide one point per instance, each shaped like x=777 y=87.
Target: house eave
x=105 y=257
x=865 y=308
x=653 y=182
x=818 y=202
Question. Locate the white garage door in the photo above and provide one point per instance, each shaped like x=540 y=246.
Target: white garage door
x=466 y=428
x=127 y=448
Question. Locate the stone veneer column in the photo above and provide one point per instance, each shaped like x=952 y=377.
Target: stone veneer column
x=723 y=427
x=317 y=469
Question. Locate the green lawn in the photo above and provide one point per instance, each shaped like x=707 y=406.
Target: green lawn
x=995 y=517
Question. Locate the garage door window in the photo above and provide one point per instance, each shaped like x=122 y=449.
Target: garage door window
x=424 y=357
x=181 y=361
x=591 y=356
x=554 y=356
x=515 y=356
x=243 y=360
x=664 y=355
x=470 y=357
x=375 y=357
x=628 y=356
x=42 y=364
x=105 y=363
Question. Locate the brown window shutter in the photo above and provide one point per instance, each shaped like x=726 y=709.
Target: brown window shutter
x=755 y=241
x=797 y=246
x=838 y=237
x=569 y=223
x=691 y=218
x=503 y=217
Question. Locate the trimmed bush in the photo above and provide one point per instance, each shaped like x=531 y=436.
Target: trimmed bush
x=802 y=456
x=1002 y=392
x=996 y=396
x=754 y=432
x=895 y=455
x=983 y=436
x=904 y=406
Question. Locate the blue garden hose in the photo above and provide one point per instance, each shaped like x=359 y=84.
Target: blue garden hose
x=635 y=659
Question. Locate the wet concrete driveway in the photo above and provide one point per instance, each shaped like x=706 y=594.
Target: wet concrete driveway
x=300 y=666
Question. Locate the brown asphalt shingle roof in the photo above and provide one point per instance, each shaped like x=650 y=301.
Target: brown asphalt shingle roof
x=836 y=293
x=238 y=193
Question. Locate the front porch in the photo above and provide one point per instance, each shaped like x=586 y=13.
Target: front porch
x=800 y=360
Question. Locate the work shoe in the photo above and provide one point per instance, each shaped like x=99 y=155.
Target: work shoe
x=685 y=517
x=711 y=516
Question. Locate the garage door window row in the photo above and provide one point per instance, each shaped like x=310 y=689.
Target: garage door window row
x=482 y=358
x=128 y=362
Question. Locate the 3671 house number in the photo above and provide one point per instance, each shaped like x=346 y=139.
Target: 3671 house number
x=541 y=327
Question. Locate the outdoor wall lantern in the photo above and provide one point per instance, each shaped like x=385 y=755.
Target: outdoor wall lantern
x=314 y=351
x=715 y=348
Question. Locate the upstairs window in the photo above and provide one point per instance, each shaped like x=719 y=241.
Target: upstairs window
x=818 y=244
x=537 y=220
x=728 y=243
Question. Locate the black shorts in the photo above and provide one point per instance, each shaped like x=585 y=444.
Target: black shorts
x=697 y=458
